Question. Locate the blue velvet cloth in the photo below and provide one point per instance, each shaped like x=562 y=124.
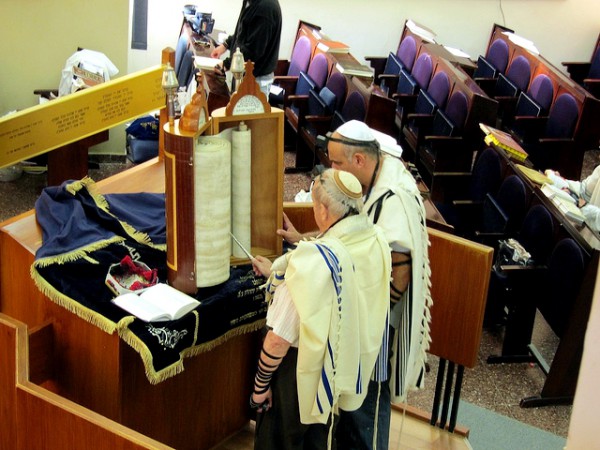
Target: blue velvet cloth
x=84 y=233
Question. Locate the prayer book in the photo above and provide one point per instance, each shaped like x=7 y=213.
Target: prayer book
x=356 y=69
x=564 y=202
x=333 y=47
x=503 y=140
x=206 y=63
x=157 y=303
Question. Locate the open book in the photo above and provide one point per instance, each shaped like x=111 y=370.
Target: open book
x=206 y=63
x=564 y=202
x=158 y=303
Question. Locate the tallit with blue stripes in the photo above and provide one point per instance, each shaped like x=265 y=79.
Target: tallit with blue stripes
x=339 y=284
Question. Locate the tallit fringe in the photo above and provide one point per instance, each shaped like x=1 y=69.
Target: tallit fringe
x=155 y=377
x=70 y=305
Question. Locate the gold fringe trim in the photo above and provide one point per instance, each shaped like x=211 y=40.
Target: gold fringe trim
x=71 y=305
x=155 y=377
x=80 y=253
x=100 y=200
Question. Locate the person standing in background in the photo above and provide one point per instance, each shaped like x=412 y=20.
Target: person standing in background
x=257 y=35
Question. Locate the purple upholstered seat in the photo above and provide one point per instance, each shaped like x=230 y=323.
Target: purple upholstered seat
x=498 y=55
x=354 y=108
x=515 y=80
x=594 y=72
x=318 y=70
x=422 y=70
x=439 y=88
x=541 y=90
x=563 y=117
x=407 y=51
x=457 y=109
x=300 y=58
x=338 y=84
x=519 y=72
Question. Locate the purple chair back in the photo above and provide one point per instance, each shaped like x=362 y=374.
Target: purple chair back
x=457 y=109
x=567 y=264
x=439 y=88
x=407 y=51
x=563 y=117
x=318 y=69
x=541 y=90
x=519 y=72
x=300 y=58
x=486 y=175
x=422 y=70
x=537 y=233
x=512 y=199
x=498 y=55
x=354 y=107
x=338 y=85
x=594 y=73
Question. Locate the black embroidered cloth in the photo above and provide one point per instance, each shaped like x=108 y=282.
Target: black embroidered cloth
x=83 y=233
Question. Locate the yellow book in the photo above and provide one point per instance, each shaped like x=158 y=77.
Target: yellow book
x=503 y=140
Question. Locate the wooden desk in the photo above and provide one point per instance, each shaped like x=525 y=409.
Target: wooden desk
x=193 y=410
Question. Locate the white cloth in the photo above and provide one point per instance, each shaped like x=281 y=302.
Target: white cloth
x=402 y=219
x=91 y=60
x=589 y=190
x=339 y=285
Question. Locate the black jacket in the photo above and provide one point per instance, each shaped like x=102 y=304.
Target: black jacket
x=257 y=34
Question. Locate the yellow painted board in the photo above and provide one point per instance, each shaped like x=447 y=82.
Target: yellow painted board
x=41 y=128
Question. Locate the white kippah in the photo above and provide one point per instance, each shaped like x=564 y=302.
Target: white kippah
x=357 y=130
x=360 y=131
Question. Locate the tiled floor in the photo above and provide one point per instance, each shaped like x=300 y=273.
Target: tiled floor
x=495 y=387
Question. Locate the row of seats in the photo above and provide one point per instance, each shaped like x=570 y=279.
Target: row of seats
x=548 y=113
x=498 y=204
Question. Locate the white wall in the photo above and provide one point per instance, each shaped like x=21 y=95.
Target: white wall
x=563 y=30
x=36 y=37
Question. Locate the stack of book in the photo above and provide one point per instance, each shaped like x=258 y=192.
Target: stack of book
x=348 y=65
x=564 y=202
x=503 y=140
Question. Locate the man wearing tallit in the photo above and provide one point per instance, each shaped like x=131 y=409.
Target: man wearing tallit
x=329 y=298
x=392 y=201
x=587 y=193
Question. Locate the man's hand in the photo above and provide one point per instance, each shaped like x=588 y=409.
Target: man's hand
x=261 y=265
x=218 y=51
x=289 y=232
x=261 y=402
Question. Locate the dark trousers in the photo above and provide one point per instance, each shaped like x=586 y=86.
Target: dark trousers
x=279 y=428
x=355 y=429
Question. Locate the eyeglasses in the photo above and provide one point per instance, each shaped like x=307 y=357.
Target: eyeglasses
x=322 y=143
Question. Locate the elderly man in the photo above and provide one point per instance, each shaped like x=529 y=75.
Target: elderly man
x=328 y=304
x=392 y=200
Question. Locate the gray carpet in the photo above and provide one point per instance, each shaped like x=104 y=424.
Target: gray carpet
x=493 y=431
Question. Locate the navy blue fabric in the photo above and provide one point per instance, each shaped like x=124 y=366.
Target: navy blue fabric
x=76 y=224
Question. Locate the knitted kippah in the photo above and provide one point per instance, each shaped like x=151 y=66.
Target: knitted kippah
x=347 y=183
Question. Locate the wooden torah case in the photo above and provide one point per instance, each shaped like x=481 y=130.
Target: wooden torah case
x=266 y=178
